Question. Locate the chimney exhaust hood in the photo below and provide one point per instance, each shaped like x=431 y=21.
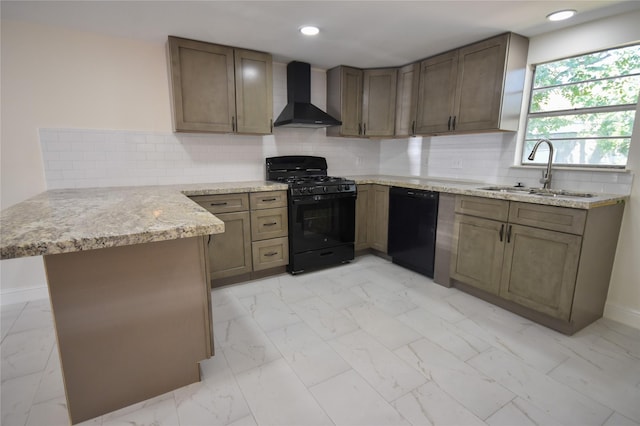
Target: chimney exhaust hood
x=299 y=111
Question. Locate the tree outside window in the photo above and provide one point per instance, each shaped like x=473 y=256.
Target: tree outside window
x=586 y=106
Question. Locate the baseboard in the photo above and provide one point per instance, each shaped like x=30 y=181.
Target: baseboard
x=623 y=314
x=22 y=295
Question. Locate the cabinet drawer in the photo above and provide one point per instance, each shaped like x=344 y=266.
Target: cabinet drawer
x=268 y=200
x=268 y=223
x=270 y=253
x=561 y=219
x=223 y=203
x=483 y=207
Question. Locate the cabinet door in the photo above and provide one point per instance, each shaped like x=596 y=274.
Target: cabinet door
x=406 y=100
x=202 y=83
x=254 y=99
x=540 y=269
x=351 y=101
x=436 y=93
x=379 y=217
x=481 y=72
x=230 y=252
x=362 y=218
x=379 y=102
x=477 y=252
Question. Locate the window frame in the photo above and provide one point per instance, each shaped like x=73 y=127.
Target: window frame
x=520 y=152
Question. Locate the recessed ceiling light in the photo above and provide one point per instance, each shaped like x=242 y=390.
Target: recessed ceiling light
x=309 y=30
x=561 y=15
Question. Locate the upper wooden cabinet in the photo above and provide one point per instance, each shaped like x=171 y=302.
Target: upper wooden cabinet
x=219 y=88
x=364 y=100
x=474 y=88
x=407 y=100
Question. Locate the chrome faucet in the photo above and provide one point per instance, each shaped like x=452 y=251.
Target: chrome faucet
x=546 y=175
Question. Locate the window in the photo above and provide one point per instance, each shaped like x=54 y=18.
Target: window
x=585 y=106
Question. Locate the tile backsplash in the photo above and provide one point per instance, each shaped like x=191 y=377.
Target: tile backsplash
x=76 y=158
x=86 y=158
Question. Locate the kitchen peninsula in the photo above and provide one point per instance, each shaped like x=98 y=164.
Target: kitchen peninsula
x=127 y=277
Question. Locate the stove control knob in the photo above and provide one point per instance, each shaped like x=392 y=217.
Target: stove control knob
x=324 y=188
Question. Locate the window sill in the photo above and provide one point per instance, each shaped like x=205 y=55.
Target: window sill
x=575 y=169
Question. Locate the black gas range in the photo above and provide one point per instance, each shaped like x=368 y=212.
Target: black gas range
x=321 y=211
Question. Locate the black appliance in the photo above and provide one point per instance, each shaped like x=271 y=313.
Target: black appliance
x=321 y=211
x=413 y=215
x=300 y=112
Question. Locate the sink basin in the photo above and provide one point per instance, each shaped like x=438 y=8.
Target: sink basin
x=561 y=193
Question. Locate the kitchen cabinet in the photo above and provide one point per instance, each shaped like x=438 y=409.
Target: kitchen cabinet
x=372 y=217
x=229 y=252
x=218 y=88
x=407 y=100
x=269 y=230
x=255 y=237
x=364 y=100
x=549 y=263
x=474 y=88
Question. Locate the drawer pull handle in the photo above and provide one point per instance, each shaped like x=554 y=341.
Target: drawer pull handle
x=271 y=253
x=270 y=223
x=501 y=232
x=509 y=234
x=219 y=204
x=264 y=200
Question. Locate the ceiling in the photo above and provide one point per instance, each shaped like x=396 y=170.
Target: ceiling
x=358 y=33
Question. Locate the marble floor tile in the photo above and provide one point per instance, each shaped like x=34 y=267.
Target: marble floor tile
x=437 y=306
x=384 y=371
x=522 y=413
x=312 y=358
x=269 y=311
x=26 y=352
x=51 y=385
x=8 y=316
x=244 y=344
x=287 y=289
x=34 y=315
x=350 y=401
x=336 y=294
x=602 y=387
x=564 y=404
x=325 y=320
x=16 y=398
x=543 y=358
x=389 y=301
x=383 y=327
x=226 y=306
x=158 y=411
x=474 y=390
x=617 y=419
x=276 y=396
x=216 y=400
x=430 y=405
x=447 y=335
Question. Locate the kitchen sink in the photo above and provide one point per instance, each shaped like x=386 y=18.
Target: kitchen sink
x=539 y=191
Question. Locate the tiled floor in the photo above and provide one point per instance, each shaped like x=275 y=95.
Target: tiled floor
x=367 y=343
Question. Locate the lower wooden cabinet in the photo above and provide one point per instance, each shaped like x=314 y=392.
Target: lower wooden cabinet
x=372 y=217
x=552 y=264
x=255 y=237
x=230 y=252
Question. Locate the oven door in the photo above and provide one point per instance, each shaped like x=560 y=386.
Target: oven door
x=318 y=222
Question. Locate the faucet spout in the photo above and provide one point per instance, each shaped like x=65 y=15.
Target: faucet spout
x=546 y=175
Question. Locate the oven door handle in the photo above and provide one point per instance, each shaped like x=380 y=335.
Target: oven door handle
x=320 y=198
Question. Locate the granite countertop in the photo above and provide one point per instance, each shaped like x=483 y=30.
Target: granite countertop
x=69 y=220
x=462 y=187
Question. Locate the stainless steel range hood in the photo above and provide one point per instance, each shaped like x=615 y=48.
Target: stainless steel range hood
x=299 y=111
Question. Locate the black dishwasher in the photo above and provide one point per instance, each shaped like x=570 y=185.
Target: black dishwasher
x=413 y=215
